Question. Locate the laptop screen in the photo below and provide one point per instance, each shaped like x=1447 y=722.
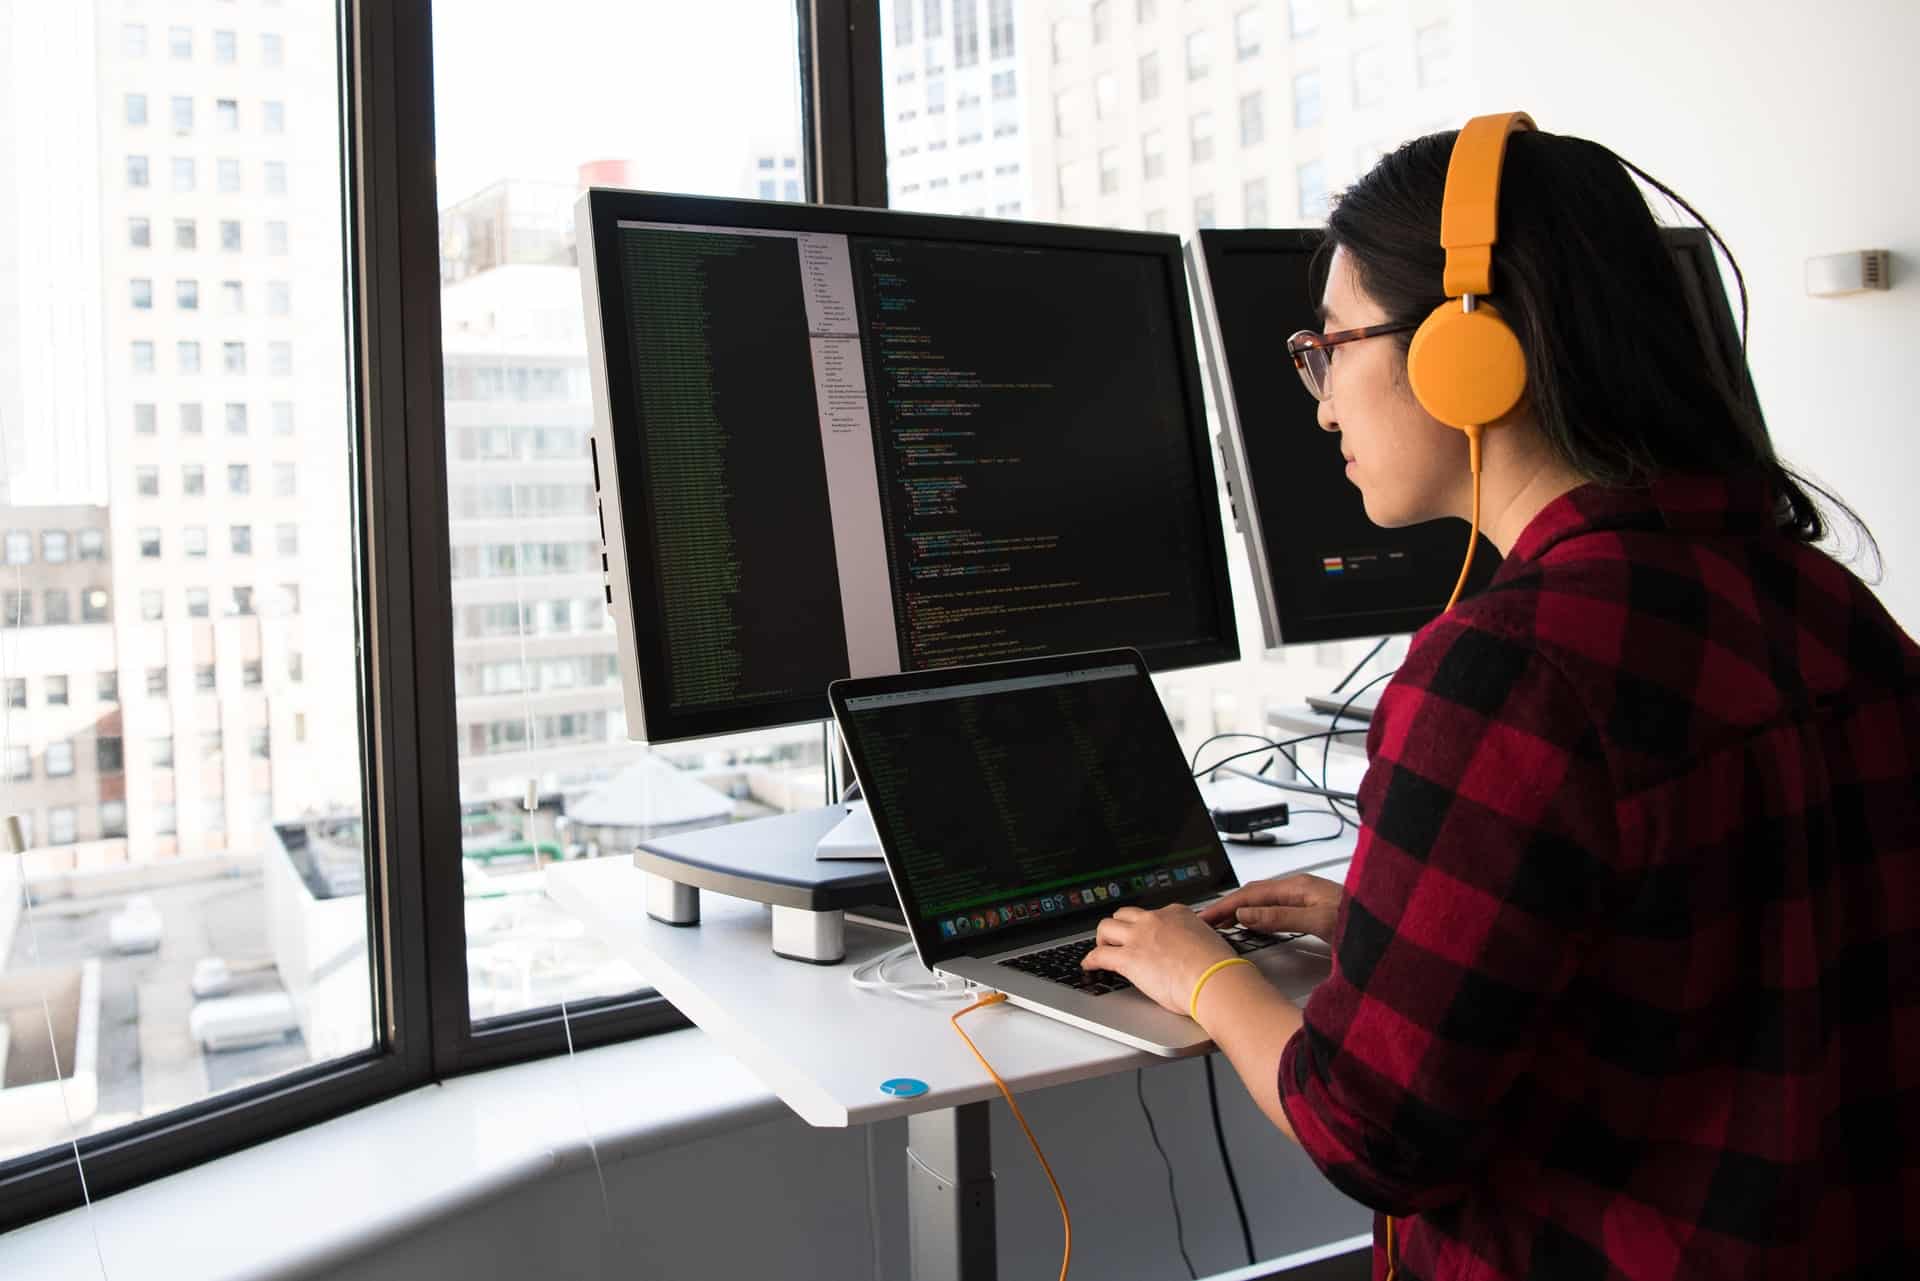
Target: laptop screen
x=1025 y=799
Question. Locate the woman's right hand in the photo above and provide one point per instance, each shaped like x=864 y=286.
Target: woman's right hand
x=1298 y=904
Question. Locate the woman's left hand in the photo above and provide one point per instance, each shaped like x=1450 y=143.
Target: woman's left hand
x=1162 y=953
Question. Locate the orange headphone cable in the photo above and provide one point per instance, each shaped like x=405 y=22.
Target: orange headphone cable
x=1473 y=533
x=1066 y=1222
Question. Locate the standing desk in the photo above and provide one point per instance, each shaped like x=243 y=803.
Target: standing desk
x=824 y=1046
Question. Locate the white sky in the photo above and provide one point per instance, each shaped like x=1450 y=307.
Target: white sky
x=687 y=88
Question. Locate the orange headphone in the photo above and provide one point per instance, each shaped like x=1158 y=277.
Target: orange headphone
x=1465 y=363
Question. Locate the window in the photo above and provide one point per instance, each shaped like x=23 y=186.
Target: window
x=225 y=50
x=1149 y=76
x=241 y=538
x=54 y=546
x=1253 y=124
x=59 y=608
x=184 y=174
x=94 y=605
x=19 y=547
x=273 y=117
x=227 y=174
x=146 y=481
x=280 y=359
x=16 y=691
x=133 y=40
x=936 y=103
x=19 y=611
x=1199 y=53
x=182 y=116
x=1145 y=10
x=966 y=33
x=902 y=22
x=1303 y=16
x=286 y=540
x=136 y=109
x=191 y=419
x=198 y=603
x=113 y=819
x=180 y=43
x=187 y=356
x=280 y=292
x=1200 y=137
x=107 y=690
x=239 y=480
x=1109 y=170
x=1433 y=53
x=152 y=605
x=146 y=422
x=60 y=818
x=276 y=237
x=226 y=112
x=1106 y=96
x=150 y=542
x=1003 y=86
x=236 y=415
x=1156 y=220
x=59 y=759
x=250 y=674
x=283 y=418
x=233 y=357
x=241 y=603
x=230 y=239
x=165 y=822
x=1253 y=202
x=296 y=666
x=1312 y=178
x=186 y=234
x=1153 y=154
x=1203 y=211
x=194 y=538
x=1246 y=34
x=56 y=690
x=136 y=171
x=159 y=747
x=19 y=763
x=139 y=233
x=142 y=357
x=140 y=294
x=283 y=480
x=271 y=50
x=186 y=295
x=1306 y=100
x=233 y=297
x=1370 y=77
x=1000 y=28
x=204 y=677
x=276 y=177
x=213 y=814
x=1100 y=18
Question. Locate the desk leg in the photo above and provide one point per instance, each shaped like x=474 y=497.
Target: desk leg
x=819 y=938
x=950 y=1195
x=670 y=902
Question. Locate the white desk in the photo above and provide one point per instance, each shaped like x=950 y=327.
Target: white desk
x=824 y=1046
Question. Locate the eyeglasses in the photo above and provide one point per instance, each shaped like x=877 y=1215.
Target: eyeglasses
x=1313 y=353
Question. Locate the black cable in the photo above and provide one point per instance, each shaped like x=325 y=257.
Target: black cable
x=1333 y=727
x=1179 y=1228
x=1224 y=761
x=1355 y=670
x=1226 y=1157
x=1194 y=764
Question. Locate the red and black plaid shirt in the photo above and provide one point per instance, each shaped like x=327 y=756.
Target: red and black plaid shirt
x=1627 y=981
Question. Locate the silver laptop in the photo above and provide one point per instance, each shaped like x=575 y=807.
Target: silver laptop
x=1020 y=803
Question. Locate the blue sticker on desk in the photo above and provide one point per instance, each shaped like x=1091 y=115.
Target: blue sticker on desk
x=903 y=1087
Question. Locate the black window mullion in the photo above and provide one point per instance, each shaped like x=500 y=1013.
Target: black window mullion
x=845 y=121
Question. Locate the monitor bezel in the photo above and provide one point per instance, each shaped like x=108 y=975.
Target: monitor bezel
x=625 y=521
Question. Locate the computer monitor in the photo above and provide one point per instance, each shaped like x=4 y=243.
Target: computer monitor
x=848 y=442
x=1322 y=570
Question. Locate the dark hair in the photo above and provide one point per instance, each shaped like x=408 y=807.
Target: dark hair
x=1620 y=380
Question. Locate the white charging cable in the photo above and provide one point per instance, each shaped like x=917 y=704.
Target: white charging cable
x=871 y=976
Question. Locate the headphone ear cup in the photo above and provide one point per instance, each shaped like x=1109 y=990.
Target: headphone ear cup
x=1466 y=367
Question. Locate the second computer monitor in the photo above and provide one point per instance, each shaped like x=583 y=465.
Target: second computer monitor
x=1322 y=570
x=834 y=442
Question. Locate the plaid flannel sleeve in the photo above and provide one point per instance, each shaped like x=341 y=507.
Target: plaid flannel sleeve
x=1488 y=833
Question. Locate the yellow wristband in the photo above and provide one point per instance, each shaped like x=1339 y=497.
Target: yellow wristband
x=1193 y=1006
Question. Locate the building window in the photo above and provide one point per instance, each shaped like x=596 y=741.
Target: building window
x=1199 y=54
x=184 y=176
x=227 y=174
x=1312 y=178
x=1202 y=212
x=193 y=480
x=1156 y=220
x=186 y=234
x=1000 y=28
x=188 y=356
x=280 y=359
x=182 y=116
x=19 y=547
x=149 y=542
x=283 y=418
x=136 y=109
x=133 y=40
x=146 y=481
x=239 y=481
x=204 y=678
x=1370 y=76
x=286 y=540
x=191 y=419
x=59 y=758
x=1106 y=96
x=57 y=687
x=140 y=294
x=194 y=537
x=902 y=23
x=1303 y=16
x=241 y=539
x=1306 y=100
x=19 y=763
x=1153 y=154
x=160 y=746
x=1253 y=202
x=226 y=49
x=54 y=546
x=236 y=414
x=1200 y=137
x=137 y=171
x=16 y=691
x=140 y=233
x=242 y=604
x=1145 y=10
x=199 y=603
x=165 y=819
x=1004 y=86
x=272 y=50
x=19 y=613
x=1246 y=34
x=1100 y=19
x=180 y=43
x=283 y=480
x=113 y=818
x=273 y=117
x=1433 y=53
x=276 y=172
x=1109 y=170
x=186 y=295
x=59 y=608
x=94 y=605
x=226 y=112
x=230 y=238
x=233 y=357
x=107 y=688
x=146 y=422
x=276 y=237
x=153 y=605
x=213 y=814
x=966 y=33
x=109 y=755
x=1149 y=76
x=296 y=666
x=233 y=296
x=60 y=818
x=250 y=674
x=1253 y=121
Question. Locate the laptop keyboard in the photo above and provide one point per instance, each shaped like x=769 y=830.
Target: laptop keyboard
x=1062 y=964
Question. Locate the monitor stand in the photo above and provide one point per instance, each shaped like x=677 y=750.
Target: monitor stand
x=852 y=837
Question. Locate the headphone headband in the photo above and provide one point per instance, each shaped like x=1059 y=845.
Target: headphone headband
x=1469 y=216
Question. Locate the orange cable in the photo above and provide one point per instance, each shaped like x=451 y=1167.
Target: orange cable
x=1473 y=533
x=1066 y=1222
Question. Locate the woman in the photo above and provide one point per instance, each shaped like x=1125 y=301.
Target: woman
x=1627 y=966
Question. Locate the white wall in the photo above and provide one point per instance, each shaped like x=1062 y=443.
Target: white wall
x=1791 y=127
